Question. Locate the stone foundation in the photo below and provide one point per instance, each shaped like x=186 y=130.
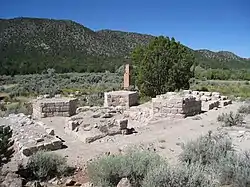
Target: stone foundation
x=120 y=98
x=49 y=107
x=175 y=105
x=210 y=100
x=94 y=123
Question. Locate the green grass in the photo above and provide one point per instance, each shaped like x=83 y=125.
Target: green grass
x=230 y=88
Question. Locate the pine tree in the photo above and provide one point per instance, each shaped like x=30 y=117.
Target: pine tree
x=6 y=144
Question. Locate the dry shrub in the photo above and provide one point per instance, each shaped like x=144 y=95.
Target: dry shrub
x=44 y=165
x=231 y=119
x=206 y=149
x=109 y=170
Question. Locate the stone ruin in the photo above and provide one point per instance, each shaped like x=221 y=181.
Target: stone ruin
x=210 y=100
x=89 y=124
x=94 y=123
x=175 y=105
x=49 y=107
x=187 y=103
x=120 y=98
x=31 y=136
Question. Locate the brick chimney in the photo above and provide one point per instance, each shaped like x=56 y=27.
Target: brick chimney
x=126 y=82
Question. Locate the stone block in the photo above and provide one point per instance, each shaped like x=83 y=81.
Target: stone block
x=50 y=131
x=175 y=104
x=94 y=138
x=40 y=147
x=195 y=92
x=26 y=151
x=216 y=94
x=57 y=144
x=120 y=98
x=225 y=102
x=206 y=106
x=122 y=123
x=49 y=107
x=48 y=146
x=205 y=98
x=72 y=124
x=187 y=91
x=224 y=97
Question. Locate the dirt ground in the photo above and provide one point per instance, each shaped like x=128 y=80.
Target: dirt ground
x=164 y=135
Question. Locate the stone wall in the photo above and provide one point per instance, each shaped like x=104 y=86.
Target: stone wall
x=49 y=107
x=120 y=98
x=210 y=100
x=175 y=105
x=31 y=136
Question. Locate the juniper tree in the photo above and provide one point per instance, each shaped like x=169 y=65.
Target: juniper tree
x=164 y=65
x=6 y=144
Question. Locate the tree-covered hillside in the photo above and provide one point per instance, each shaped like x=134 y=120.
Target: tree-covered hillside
x=32 y=45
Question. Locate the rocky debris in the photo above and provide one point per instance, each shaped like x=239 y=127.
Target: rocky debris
x=12 y=180
x=37 y=184
x=237 y=133
x=55 y=181
x=124 y=182
x=94 y=123
x=88 y=184
x=30 y=135
x=140 y=115
x=50 y=131
x=70 y=182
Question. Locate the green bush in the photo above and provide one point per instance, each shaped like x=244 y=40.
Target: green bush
x=206 y=149
x=109 y=170
x=161 y=66
x=15 y=108
x=234 y=169
x=193 y=175
x=244 y=109
x=44 y=165
x=231 y=119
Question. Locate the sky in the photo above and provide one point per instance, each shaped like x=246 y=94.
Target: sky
x=200 y=24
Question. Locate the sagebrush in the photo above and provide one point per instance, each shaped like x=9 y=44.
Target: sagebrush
x=234 y=169
x=244 y=109
x=109 y=170
x=206 y=149
x=44 y=165
x=193 y=175
x=231 y=119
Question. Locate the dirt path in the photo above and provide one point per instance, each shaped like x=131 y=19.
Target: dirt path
x=166 y=136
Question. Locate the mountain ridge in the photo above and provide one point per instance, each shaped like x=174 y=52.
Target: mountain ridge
x=40 y=43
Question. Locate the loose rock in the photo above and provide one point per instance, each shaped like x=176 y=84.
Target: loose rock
x=124 y=182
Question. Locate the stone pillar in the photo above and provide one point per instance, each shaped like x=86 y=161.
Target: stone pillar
x=127 y=79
